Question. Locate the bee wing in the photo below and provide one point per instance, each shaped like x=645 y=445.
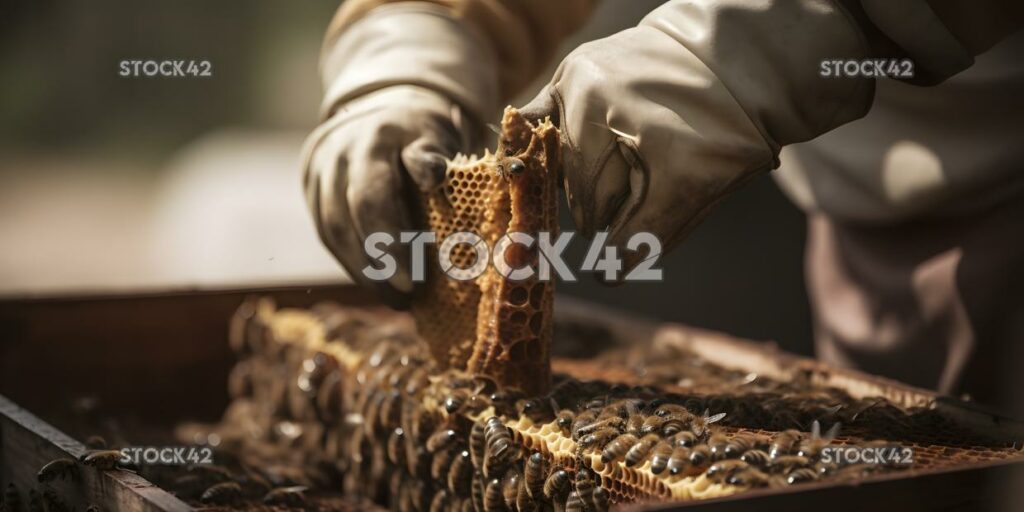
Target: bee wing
x=834 y=431
x=714 y=418
x=815 y=430
x=494 y=128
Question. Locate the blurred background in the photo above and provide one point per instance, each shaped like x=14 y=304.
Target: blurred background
x=110 y=183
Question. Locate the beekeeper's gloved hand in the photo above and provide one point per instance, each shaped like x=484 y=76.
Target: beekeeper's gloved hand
x=662 y=121
x=407 y=87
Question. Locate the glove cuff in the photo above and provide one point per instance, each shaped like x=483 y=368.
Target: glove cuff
x=410 y=44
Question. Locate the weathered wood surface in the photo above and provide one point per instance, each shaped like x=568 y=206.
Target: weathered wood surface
x=27 y=443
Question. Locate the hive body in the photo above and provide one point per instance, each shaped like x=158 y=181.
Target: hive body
x=353 y=393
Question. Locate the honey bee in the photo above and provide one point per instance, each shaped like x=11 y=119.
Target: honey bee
x=253 y=484
x=585 y=485
x=756 y=457
x=722 y=470
x=103 y=460
x=538 y=410
x=454 y=402
x=417 y=380
x=417 y=422
x=500 y=449
x=396 y=446
x=638 y=452
x=210 y=473
x=624 y=408
x=419 y=496
x=789 y=462
x=556 y=484
x=564 y=420
x=440 y=463
x=801 y=475
x=741 y=443
x=292 y=496
x=460 y=471
x=389 y=412
x=663 y=410
x=594 y=404
x=784 y=442
x=853 y=471
x=596 y=440
x=504 y=399
x=750 y=477
x=573 y=503
x=659 y=461
x=509 y=166
x=685 y=438
x=651 y=424
x=440 y=501
x=477 y=444
x=329 y=397
x=716 y=443
x=524 y=503
x=700 y=455
x=225 y=493
x=534 y=473
x=441 y=439
x=405 y=498
x=618 y=447
x=700 y=424
x=601 y=500
x=371 y=412
x=63 y=468
x=672 y=425
x=613 y=423
x=477 y=492
x=494 y=499
x=679 y=460
x=825 y=468
x=811 y=447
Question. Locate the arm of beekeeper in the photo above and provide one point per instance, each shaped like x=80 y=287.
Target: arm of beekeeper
x=662 y=121
x=409 y=84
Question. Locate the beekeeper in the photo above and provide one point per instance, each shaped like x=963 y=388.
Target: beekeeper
x=915 y=262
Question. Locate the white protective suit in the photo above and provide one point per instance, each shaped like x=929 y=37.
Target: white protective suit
x=663 y=120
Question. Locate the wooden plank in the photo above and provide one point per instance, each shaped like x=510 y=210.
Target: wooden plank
x=767 y=359
x=992 y=486
x=27 y=443
x=159 y=357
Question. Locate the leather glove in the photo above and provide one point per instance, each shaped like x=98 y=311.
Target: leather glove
x=407 y=86
x=660 y=122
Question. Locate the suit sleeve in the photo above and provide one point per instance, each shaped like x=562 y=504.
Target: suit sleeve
x=523 y=34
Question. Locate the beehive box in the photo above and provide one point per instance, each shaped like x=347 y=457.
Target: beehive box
x=164 y=358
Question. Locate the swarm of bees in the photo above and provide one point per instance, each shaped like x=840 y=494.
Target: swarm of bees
x=371 y=407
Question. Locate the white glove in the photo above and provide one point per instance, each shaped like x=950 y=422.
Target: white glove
x=663 y=120
x=407 y=87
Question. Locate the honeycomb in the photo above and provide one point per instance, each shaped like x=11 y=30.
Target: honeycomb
x=495 y=325
x=355 y=393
